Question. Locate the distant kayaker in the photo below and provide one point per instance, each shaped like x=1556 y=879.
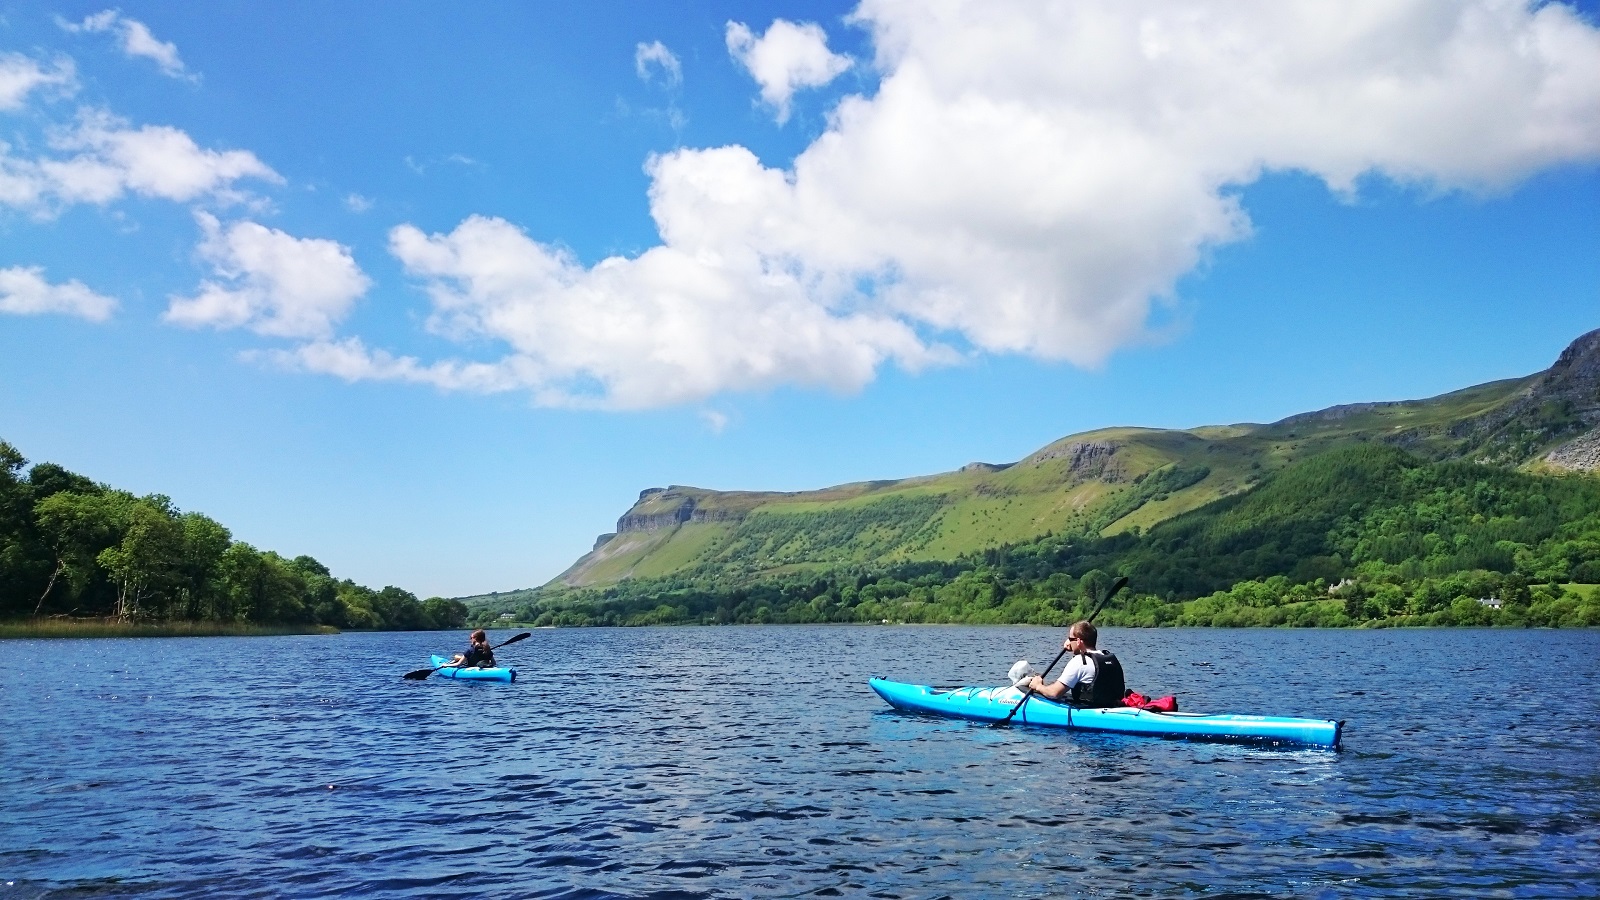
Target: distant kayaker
x=1092 y=678
x=479 y=654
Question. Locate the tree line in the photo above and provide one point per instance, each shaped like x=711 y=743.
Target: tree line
x=1367 y=535
x=71 y=547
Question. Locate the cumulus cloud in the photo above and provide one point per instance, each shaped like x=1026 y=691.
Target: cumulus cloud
x=662 y=328
x=23 y=291
x=1029 y=177
x=22 y=75
x=270 y=282
x=788 y=57
x=136 y=40
x=105 y=158
x=653 y=57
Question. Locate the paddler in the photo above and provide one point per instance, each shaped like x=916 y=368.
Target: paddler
x=1092 y=678
x=478 y=655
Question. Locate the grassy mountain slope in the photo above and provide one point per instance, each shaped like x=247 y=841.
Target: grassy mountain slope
x=1364 y=534
x=1097 y=484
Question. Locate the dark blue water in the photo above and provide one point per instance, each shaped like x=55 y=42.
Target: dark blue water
x=754 y=762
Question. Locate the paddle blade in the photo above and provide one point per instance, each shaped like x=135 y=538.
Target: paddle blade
x=525 y=634
x=419 y=674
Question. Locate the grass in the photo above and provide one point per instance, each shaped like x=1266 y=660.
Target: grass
x=111 y=628
x=986 y=506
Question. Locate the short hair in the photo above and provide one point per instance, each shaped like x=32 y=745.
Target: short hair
x=1084 y=629
x=481 y=635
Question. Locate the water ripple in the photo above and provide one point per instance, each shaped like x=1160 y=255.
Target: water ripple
x=753 y=762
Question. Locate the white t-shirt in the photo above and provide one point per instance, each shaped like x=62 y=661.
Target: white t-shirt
x=1079 y=671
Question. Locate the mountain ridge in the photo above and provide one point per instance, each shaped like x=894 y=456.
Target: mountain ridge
x=1096 y=483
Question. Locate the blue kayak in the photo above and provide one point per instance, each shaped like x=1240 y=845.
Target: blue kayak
x=473 y=673
x=994 y=704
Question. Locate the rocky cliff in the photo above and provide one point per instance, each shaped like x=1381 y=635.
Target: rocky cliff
x=1557 y=417
x=670 y=507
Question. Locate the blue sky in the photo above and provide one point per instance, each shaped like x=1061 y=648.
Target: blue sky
x=432 y=295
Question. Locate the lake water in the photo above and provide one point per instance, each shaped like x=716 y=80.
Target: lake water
x=755 y=762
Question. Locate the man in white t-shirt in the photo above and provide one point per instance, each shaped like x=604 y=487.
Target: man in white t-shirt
x=1087 y=666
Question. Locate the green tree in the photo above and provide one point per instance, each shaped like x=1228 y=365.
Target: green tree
x=199 y=575
x=145 y=559
x=77 y=528
x=22 y=562
x=444 y=613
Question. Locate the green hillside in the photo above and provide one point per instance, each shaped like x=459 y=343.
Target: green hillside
x=1103 y=494
x=1098 y=483
x=1365 y=534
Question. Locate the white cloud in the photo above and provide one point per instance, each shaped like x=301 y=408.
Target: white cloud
x=271 y=282
x=109 y=158
x=664 y=328
x=1029 y=177
x=716 y=421
x=21 y=75
x=647 y=58
x=136 y=40
x=788 y=57
x=23 y=291
x=357 y=203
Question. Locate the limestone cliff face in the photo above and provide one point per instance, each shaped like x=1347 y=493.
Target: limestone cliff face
x=660 y=508
x=1085 y=459
x=1561 y=407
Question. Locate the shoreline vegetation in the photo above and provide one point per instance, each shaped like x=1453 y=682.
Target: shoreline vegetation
x=1360 y=536
x=73 y=550
x=111 y=628
x=1367 y=535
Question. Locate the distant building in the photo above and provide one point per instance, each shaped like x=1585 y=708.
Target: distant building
x=506 y=617
x=1491 y=602
x=1343 y=583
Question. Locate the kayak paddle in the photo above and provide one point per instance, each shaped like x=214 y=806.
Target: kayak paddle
x=420 y=674
x=1116 y=586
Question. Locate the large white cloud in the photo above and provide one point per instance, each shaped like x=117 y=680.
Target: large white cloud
x=1028 y=178
x=24 y=291
x=669 y=326
x=788 y=57
x=102 y=158
x=21 y=75
x=271 y=282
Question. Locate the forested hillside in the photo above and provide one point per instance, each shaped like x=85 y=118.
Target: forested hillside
x=1476 y=506
x=1367 y=534
x=70 y=547
x=1090 y=485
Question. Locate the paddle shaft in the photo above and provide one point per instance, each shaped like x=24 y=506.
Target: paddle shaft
x=420 y=674
x=1118 y=586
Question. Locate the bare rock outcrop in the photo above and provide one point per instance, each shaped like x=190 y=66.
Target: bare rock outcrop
x=1580 y=455
x=660 y=508
x=1085 y=459
x=1563 y=402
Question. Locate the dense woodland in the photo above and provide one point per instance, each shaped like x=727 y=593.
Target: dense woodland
x=72 y=548
x=1365 y=535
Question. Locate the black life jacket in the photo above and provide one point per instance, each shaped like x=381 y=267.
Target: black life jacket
x=1108 y=685
x=478 y=656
